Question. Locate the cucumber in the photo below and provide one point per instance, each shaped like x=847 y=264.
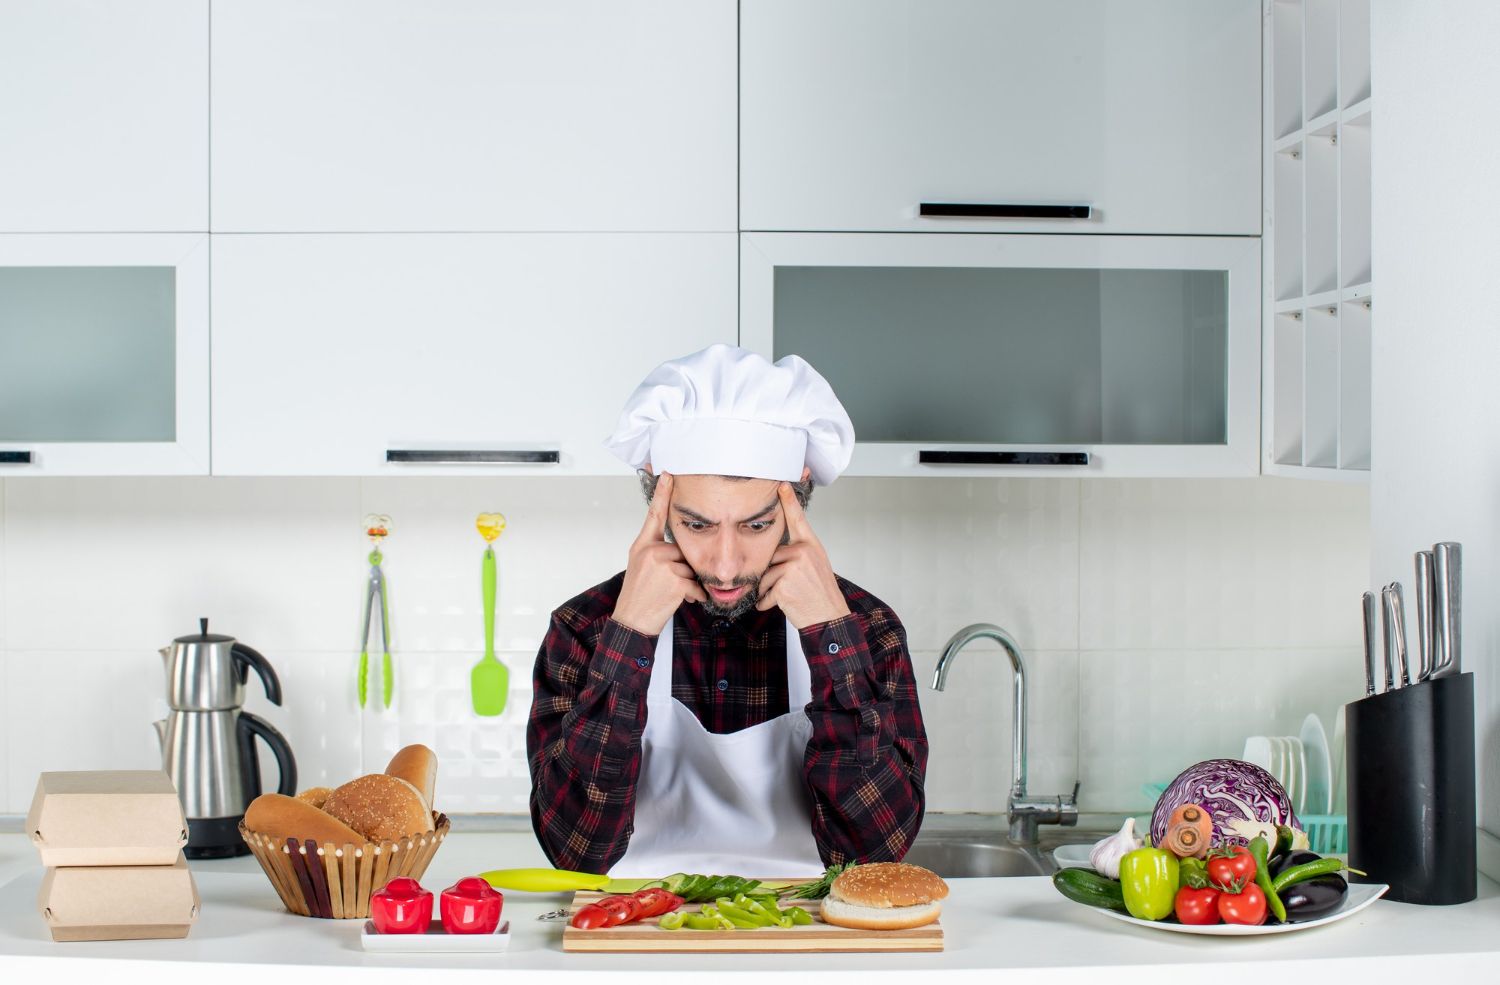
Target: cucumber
x=1090 y=888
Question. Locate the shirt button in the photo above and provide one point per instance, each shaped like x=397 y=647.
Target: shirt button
x=722 y=685
x=642 y=662
x=833 y=648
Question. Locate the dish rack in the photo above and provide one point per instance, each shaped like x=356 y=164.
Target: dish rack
x=1328 y=834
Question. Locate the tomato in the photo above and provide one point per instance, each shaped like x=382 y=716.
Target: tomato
x=655 y=902
x=1197 y=906
x=1248 y=906
x=621 y=909
x=1228 y=867
x=590 y=916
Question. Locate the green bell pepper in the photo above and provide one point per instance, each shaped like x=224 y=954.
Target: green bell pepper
x=1149 y=877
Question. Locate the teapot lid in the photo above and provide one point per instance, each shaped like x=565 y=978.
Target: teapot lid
x=203 y=635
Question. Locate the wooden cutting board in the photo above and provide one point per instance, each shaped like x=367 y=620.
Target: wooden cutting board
x=647 y=937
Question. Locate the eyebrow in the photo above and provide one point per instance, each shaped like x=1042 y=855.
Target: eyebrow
x=699 y=517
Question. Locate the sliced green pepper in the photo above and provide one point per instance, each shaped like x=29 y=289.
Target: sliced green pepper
x=1149 y=879
x=672 y=921
x=799 y=916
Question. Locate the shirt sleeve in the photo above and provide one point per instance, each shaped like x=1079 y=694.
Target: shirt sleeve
x=583 y=741
x=867 y=758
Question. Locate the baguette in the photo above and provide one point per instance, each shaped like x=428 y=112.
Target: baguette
x=417 y=765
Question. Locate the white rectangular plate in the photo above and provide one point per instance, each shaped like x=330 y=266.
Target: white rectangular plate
x=436 y=940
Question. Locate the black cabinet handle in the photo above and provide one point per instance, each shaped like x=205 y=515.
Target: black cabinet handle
x=15 y=458
x=980 y=210
x=405 y=456
x=930 y=457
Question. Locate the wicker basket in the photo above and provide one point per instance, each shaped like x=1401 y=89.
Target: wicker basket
x=335 y=881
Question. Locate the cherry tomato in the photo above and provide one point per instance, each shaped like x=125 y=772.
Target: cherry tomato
x=1247 y=906
x=1197 y=906
x=621 y=909
x=654 y=902
x=590 y=916
x=1230 y=866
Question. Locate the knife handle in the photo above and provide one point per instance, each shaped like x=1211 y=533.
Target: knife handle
x=1425 y=609
x=1447 y=575
x=1388 y=628
x=1367 y=610
x=544 y=880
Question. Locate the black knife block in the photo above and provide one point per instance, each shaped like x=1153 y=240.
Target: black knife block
x=1411 y=790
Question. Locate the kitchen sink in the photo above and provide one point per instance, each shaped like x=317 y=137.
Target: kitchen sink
x=970 y=851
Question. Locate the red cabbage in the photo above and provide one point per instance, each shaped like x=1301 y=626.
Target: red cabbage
x=1227 y=789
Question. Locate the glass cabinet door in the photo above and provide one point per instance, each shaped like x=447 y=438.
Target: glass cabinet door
x=1140 y=353
x=103 y=354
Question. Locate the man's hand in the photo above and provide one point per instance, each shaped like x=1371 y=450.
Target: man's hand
x=800 y=578
x=657 y=577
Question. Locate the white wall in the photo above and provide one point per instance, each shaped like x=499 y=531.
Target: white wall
x=1163 y=620
x=1436 y=340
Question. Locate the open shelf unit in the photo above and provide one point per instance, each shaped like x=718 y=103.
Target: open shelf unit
x=1317 y=297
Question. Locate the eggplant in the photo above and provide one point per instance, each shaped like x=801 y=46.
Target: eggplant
x=1314 y=898
x=1281 y=863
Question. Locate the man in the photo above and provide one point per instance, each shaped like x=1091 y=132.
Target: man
x=726 y=703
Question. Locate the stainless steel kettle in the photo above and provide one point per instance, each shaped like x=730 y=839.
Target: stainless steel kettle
x=208 y=742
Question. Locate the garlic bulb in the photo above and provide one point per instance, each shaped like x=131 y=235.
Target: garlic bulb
x=1105 y=856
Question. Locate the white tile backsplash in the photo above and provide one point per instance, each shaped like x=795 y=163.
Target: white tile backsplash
x=1162 y=621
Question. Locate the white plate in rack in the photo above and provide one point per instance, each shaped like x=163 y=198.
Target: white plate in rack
x=1319 y=796
x=436 y=940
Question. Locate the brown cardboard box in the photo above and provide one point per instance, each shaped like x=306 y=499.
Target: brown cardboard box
x=119 y=902
x=107 y=817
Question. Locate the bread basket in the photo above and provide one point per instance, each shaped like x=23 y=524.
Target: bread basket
x=336 y=881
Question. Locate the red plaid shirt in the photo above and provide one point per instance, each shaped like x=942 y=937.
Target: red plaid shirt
x=865 y=761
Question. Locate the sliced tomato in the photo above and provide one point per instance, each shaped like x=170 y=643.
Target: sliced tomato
x=621 y=909
x=590 y=917
x=654 y=902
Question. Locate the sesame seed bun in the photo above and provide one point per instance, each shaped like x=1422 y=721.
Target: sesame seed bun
x=380 y=807
x=884 y=896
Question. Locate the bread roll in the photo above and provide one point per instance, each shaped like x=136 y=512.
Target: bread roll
x=315 y=796
x=884 y=896
x=417 y=765
x=380 y=807
x=284 y=817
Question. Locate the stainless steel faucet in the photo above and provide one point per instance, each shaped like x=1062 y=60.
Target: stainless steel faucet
x=1024 y=812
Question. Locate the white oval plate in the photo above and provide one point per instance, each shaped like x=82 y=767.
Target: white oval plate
x=1360 y=896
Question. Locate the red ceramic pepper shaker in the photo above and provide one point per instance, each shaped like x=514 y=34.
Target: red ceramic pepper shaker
x=402 y=906
x=471 y=906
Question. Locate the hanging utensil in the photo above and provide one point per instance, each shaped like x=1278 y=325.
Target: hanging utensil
x=377 y=528
x=489 y=681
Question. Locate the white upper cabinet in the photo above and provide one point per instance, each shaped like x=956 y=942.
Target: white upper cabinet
x=473 y=115
x=449 y=354
x=104 y=354
x=856 y=112
x=103 y=116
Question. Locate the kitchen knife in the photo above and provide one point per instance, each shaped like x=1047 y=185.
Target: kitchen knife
x=1387 y=625
x=558 y=881
x=1447 y=575
x=1367 y=609
x=1424 y=589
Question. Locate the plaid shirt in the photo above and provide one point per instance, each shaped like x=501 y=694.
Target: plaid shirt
x=865 y=761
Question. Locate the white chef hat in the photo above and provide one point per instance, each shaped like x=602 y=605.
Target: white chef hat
x=730 y=411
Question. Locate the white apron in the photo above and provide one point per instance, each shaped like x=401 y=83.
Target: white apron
x=722 y=804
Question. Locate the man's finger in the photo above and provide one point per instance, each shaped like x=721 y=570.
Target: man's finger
x=656 y=514
x=796 y=520
x=694 y=591
x=768 y=597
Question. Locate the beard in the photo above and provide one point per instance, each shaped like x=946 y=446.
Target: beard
x=742 y=605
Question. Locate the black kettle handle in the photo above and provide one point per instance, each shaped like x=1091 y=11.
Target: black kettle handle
x=251 y=726
x=249 y=659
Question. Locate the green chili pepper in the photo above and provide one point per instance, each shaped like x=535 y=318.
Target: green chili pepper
x=728 y=909
x=800 y=917
x=1305 y=871
x=1149 y=879
x=1261 y=853
x=697 y=921
x=671 y=921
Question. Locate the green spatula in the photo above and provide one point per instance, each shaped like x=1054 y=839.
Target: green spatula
x=489 y=681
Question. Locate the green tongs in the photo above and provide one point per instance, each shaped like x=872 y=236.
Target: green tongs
x=376 y=528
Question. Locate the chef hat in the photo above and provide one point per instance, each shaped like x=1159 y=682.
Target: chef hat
x=730 y=411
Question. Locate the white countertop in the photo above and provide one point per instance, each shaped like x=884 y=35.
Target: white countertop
x=990 y=924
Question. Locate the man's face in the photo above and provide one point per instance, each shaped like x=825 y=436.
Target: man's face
x=727 y=529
